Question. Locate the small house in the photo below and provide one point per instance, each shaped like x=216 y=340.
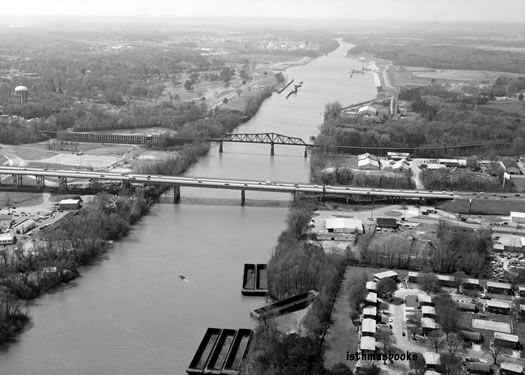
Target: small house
x=397 y=155
x=432 y=360
x=428 y=311
x=387 y=274
x=371 y=286
x=371 y=299
x=343 y=225
x=367 y=344
x=428 y=325
x=498 y=307
x=507 y=340
x=466 y=306
x=471 y=284
x=471 y=336
x=387 y=222
x=508 y=368
x=425 y=300
x=370 y=312
x=478 y=368
x=446 y=280
x=368 y=327
x=499 y=288
x=413 y=276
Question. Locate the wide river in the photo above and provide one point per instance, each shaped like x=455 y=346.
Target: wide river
x=130 y=313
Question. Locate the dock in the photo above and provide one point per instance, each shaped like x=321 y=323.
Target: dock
x=285 y=306
x=285 y=87
x=254 y=280
x=221 y=351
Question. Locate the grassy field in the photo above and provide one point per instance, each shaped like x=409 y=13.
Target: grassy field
x=18 y=199
x=512 y=107
x=483 y=206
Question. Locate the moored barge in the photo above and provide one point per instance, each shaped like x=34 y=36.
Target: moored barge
x=221 y=351
x=285 y=306
x=254 y=280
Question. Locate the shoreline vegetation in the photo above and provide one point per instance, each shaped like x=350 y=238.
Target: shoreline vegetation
x=80 y=238
x=297 y=266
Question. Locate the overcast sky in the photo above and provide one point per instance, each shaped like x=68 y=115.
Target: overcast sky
x=416 y=10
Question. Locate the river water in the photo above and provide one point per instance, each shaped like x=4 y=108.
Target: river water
x=130 y=313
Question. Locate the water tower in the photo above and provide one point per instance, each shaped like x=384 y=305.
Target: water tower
x=21 y=93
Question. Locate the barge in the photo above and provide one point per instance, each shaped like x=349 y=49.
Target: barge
x=221 y=351
x=200 y=359
x=254 y=280
x=285 y=306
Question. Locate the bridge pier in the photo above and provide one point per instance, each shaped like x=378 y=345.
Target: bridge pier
x=324 y=194
x=272 y=151
x=40 y=182
x=126 y=186
x=17 y=181
x=176 y=194
x=294 y=195
x=305 y=152
x=62 y=182
x=243 y=197
x=220 y=147
x=93 y=184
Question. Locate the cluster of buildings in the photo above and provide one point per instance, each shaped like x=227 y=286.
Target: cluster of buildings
x=396 y=161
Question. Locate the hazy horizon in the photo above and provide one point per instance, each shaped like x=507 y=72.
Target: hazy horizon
x=506 y=11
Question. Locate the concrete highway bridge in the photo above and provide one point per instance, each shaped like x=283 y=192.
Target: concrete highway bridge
x=42 y=175
x=262 y=138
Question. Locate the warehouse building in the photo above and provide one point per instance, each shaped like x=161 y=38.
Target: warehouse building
x=343 y=225
x=24 y=226
x=69 y=204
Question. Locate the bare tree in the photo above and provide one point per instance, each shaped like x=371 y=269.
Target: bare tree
x=495 y=350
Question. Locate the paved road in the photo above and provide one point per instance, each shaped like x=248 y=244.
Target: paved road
x=254 y=185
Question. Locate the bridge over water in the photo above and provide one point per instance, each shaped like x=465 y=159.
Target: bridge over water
x=261 y=138
x=41 y=175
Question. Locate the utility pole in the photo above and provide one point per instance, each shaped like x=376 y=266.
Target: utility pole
x=469 y=206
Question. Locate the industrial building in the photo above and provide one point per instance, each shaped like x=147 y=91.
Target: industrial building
x=368 y=162
x=5 y=222
x=7 y=238
x=343 y=225
x=397 y=155
x=69 y=204
x=387 y=274
x=387 y=222
x=517 y=217
x=24 y=226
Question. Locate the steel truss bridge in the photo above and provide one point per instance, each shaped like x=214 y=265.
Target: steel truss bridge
x=262 y=138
